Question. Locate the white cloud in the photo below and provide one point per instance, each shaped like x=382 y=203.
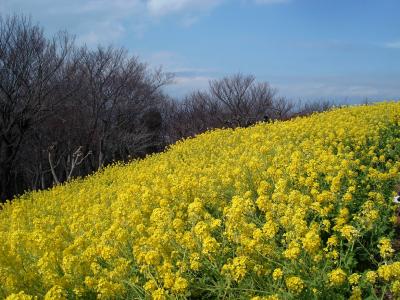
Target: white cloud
x=186 y=84
x=91 y=21
x=104 y=21
x=167 y=59
x=393 y=45
x=102 y=33
x=346 y=87
x=176 y=63
x=272 y=1
x=338 y=89
x=188 y=21
x=187 y=78
x=193 y=81
x=164 y=7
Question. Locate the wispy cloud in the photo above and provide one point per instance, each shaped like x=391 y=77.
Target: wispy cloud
x=189 y=20
x=272 y=1
x=338 y=89
x=92 y=21
x=164 y=7
x=187 y=78
x=393 y=45
x=104 y=21
x=102 y=33
x=186 y=84
x=327 y=44
x=177 y=64
x=346 y=87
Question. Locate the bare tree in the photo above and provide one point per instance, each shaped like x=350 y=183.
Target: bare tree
x=29 y=67
x=233 y=101
x=119 y=90
x=282 y=109
x=67 y=111
x=309 y=107
x=245 y=100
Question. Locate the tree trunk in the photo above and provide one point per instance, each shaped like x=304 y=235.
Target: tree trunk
x=5 y=189
x=5 y=172
x=53 y=171
x=101 y=155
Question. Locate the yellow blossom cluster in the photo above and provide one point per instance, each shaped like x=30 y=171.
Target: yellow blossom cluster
x=280 y=210
x=337 y=277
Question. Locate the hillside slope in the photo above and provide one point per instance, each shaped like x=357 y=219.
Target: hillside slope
x=295 y=209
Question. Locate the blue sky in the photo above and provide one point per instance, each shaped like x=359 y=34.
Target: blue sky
x=343 y=50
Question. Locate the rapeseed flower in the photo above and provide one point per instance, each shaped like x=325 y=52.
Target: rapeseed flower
x=295 y=284
x=277 y=274
x=337 y=277
x=278 y=210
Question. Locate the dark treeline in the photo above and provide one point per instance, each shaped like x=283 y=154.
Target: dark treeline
x=67 y=111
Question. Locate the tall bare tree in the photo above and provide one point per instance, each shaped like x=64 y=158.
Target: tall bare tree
x=29 y=67
x=237 y=100
x=245 y=99
x=120 y=90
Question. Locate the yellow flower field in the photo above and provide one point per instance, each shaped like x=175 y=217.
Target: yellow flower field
x=301 y=209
